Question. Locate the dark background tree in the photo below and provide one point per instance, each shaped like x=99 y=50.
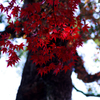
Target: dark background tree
x=59 y=87
x=35 y=87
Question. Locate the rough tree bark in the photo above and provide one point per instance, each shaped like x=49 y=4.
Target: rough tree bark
x=48 y=87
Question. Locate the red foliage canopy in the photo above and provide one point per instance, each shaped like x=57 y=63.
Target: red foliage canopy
x=52 y=32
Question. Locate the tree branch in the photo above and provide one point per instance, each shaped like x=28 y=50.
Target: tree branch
x=82 y=73
x=86 y=94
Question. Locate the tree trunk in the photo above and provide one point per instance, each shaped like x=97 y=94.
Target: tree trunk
x=48 y=87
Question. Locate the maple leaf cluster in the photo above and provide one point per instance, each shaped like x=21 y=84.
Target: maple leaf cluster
x=52 y=32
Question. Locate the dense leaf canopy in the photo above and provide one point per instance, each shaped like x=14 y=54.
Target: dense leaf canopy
x=51 y=29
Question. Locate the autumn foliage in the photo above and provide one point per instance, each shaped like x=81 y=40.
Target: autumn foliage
x=52 y=32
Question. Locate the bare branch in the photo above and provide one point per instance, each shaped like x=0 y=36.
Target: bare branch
x=86 y=94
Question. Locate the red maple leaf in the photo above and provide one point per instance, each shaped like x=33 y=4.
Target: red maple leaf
x=51 y=34
x=1 y=7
